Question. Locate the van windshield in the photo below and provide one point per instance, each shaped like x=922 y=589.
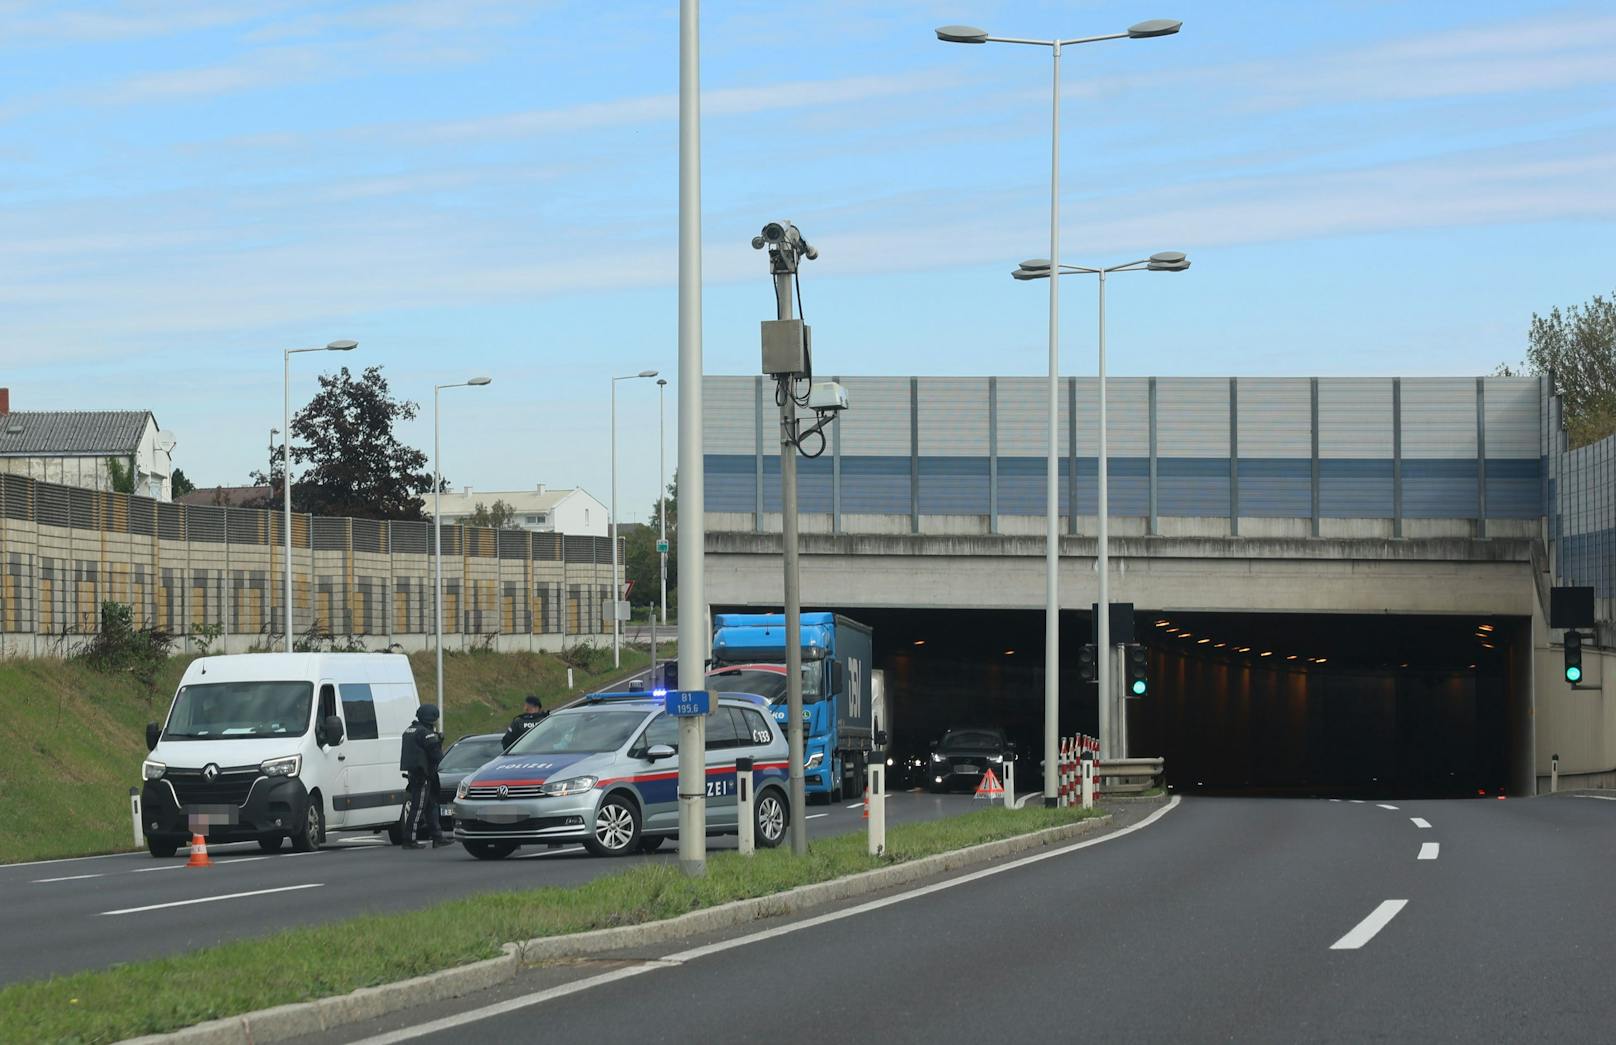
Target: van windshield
x=231 y=710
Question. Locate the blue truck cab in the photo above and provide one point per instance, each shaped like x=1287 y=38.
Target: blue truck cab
x=749 y=654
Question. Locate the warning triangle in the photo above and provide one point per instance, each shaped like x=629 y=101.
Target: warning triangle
x=989 y=787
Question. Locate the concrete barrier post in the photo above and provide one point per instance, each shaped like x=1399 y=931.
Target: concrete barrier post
x=878 y=807
x=134 y=816
x=745 y=817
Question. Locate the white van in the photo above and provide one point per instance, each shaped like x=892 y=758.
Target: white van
x=270 y=746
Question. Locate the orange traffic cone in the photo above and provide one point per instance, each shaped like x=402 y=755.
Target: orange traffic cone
x=199 y=852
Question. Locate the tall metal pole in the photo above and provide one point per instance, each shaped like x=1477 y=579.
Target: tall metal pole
x=692 y=600
x=1052 y=486
x=437 y=551
x=1102 y=639
x=662 y=488
x=286 y=481
x=617 y=656
x=793 y=587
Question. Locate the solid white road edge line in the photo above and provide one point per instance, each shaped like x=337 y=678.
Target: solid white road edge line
x=1365 y=930
x=1429 y=850
x=1602 y=798
x=1420 y=822
x=540 y=997
x=551 y=852
x=214 y=899
x=1383 y=805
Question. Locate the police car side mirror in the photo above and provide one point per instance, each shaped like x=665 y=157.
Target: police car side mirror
x=659 y=752
x=332 y=728
x=152 y=733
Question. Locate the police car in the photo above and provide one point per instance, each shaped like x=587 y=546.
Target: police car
x=605 y=772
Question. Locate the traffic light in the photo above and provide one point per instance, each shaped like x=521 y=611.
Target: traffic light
x=1573 y=657
x=1086 y=663
x=1138 y=671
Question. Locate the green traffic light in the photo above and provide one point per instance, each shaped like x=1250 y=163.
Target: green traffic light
x=1573 y=674
x=1139 y=687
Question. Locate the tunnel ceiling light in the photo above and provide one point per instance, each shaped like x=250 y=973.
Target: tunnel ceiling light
x=1484 y=627
x=1472 y=667
x=1291 y=657
x=1243 y=649
x=1202 y=642
x=1220 y=645
x=1266 y=653
x=1009 y=652
x=1185 y=635
x=1322 y=659
x=1173 y=631
x=1488 y=645
x=920 y=642
x=1163 y=623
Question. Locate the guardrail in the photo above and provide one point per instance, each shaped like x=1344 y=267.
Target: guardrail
x=1129 y=776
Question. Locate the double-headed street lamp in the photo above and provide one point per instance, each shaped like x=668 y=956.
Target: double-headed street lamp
x=437 y=534
x=1039 y=268
x=964 y=34
x=286 y=458
x=617 y=584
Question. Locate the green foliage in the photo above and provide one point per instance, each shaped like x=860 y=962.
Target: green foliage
x=356 y=465
x=205 y=636
x=320 y=961
x=120 y=647
x=1578 y=346
x=642 y=564
x=121 y=474
x=496 y=517
x=181 y=483
x=587 y=657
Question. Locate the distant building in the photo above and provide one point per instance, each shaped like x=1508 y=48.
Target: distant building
x=574 y=512
x=78 y=447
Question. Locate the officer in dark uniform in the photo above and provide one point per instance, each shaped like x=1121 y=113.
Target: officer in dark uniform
x=532 y=714
x=418 y=759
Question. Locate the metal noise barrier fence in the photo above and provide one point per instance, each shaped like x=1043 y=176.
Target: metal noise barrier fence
x=215 y=574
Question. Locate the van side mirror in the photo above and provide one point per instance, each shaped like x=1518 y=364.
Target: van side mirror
x=331 y=727
x=152 y=733
x=658 y=752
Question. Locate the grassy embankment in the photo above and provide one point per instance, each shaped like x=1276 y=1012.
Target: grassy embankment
x=321 y=961
x=76 y=736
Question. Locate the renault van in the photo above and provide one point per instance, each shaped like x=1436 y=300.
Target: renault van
x=276 y=746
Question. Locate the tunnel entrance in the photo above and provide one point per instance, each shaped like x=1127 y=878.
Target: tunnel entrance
x=1281 y=704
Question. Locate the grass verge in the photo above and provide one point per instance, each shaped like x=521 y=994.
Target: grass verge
x=320 y=961
x=78 y=735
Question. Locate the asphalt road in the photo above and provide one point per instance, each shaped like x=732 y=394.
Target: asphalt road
x=1249 y=920
x=92 y=912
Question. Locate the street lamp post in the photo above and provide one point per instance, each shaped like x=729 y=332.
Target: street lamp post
x=662 y=492
x=617 y=584
x=1040 y=268
x=964 y=34
x=286 y=459
x=437 y=535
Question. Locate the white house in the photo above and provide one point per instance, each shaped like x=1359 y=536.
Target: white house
x=74 y=447
x=573 y=512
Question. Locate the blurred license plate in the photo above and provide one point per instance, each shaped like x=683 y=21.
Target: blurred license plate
x=967 y=769
x=446 y=810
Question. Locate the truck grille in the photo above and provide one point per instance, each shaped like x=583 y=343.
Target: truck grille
x=229 y=788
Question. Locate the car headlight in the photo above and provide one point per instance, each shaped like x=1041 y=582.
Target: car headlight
x=935 y=757
x=571 y=786
x=995 y=758
x=889 y=761
x=153 y=770
x=291 y=765
x=460 y=792
x=814 y=760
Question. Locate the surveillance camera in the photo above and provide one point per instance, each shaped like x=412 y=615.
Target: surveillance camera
x=758 y=242
x=827 y=396
x=776 y=231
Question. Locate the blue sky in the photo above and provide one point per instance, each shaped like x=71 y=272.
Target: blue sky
x=490 y=187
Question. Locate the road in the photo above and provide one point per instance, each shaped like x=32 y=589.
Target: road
x=92 y=912
x=1249 y=920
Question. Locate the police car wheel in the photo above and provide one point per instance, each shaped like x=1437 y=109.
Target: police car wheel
x=617 y=828
x=772 y=819
x=651 y=843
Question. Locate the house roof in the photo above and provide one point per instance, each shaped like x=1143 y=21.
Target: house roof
x=71 y=433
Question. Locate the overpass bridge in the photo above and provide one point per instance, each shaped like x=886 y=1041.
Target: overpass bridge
x=1343 y=581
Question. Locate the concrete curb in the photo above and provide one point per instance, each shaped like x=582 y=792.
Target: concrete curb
x=285 y=1022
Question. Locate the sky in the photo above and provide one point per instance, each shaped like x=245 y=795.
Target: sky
x=187 y=187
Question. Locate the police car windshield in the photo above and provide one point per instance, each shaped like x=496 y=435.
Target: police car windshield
x=240 y=710
x=586 y=731
x=470 y=753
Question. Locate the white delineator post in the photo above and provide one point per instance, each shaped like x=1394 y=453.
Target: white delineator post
x=876 y=796
x=1087 y=763
x=1009 y=783
x=745 y=814
x=134 y=814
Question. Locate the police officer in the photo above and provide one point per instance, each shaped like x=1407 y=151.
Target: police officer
x=532 y=714
x=418 y=759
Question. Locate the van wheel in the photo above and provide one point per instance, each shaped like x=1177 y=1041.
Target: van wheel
x=490 y=850
x=159 y=848
x=617 y=828
x=773 y=817
x=308 y=835
x=270 y=843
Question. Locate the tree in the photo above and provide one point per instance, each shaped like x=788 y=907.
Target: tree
x=355 y=464
x=1578 y=346
x=121 y=474
x=181 y=483
x=497 y=517
x=641 y=562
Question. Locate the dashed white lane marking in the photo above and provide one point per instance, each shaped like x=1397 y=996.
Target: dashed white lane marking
x=66 y=878
x=1420 y=822
x=1365 y=930
x=1429 y=850
x=552 y=852
x=463 y=1019
x=854 y=805
x=1383 y=805
x=1335 y=799
x=815 y=816
x=215 y=899
x=1602 y=798
x=1356 y=801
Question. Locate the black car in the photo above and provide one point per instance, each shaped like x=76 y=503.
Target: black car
x=963 y=755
